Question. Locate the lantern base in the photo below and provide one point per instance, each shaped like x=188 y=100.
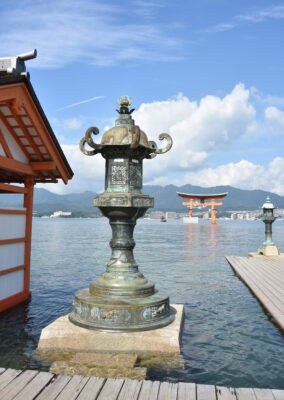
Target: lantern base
x=269 y=250
x=125 y=314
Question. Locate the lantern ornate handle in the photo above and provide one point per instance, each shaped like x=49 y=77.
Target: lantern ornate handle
x=87 y=139
x=168 y=146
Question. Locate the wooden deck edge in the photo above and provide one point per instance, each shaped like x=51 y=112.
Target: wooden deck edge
x=256 y=290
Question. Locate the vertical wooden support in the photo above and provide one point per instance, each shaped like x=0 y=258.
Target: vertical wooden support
x=213 y=213
x=190 y=208
x=28 y=204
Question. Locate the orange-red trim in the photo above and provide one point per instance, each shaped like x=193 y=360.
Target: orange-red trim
x=28 y=204
x=20 y=90
x=8 y=211
x=43 y=165
x=6 y=188
x=10 y=241
x=14 y=300
x=16 y=166
x=13 y=269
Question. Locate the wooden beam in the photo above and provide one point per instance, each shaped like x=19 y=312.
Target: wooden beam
x=10 y=270
x=11 y=301
x=10 y=241
x=10 y=211
x=15 y=166
x=6 y=188
x=43 y=165
x=28 y=204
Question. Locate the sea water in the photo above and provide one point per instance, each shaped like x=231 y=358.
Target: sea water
x=228 y=338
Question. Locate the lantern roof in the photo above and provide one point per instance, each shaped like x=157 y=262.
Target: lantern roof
x=125 y=136
x=268 y=204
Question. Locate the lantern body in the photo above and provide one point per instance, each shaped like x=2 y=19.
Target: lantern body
x=122 y=299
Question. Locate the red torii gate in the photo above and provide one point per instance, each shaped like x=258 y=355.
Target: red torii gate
x=200 y=200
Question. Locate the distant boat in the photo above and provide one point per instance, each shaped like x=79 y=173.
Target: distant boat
x=163 y=219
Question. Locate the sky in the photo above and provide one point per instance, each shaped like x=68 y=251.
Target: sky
x=208 y=72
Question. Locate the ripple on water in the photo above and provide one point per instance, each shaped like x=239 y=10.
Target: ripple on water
x=228 y=338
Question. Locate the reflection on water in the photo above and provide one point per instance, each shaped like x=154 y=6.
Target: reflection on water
x=228 y=339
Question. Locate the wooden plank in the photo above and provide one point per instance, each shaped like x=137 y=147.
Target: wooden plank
x=11 y=211
x=11 y=241
x=10 y=270
x=267 y=287
x=268 y=301
x=263 y=394
x=15 y=166
x=111 y=389
x=245 y=394
x=278 y=394
x=268 y=290
x=225 y=393
x=130 y=390
x=7 y=376
x=16 y=385
x=168 y=391
x=34 y=387
x=149 y=390
x=267 y=278
x=43 y=165
x=74 y=387
x=206 y=392
x=92 y=388
x=7 y=188
x=51 y=391
x=186 y=391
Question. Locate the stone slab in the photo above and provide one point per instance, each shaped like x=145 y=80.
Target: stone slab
x=62 y=335
x=274 y=256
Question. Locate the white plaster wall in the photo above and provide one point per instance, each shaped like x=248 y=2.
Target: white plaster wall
x=2 y=152
x=11 y=255
x=16 y=151
x=11 y=284
x=12 y=226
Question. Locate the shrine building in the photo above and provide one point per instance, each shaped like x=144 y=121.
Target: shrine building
x=29 y=154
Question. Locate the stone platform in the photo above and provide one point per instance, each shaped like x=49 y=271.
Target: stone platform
x=63 y=336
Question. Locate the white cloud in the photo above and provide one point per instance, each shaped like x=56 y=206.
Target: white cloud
x=88 y=172
x=72 y=123
x=244 y=175
x=275 y=120
x=274 y=12
x=197 y=129
x=92 y=31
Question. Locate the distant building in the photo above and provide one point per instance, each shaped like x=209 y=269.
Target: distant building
x=58 y=214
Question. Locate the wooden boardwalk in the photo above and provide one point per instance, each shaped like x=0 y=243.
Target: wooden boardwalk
x=265 y=277
x=29 y=385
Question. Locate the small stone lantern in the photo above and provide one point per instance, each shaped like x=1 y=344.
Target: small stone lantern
x=268 y=247
x=122 y=299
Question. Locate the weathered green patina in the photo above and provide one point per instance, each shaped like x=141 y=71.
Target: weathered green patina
x=122 y=299
x=268 y=218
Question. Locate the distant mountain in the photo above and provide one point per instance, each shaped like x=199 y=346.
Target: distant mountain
x=166 y=199
x=237 y=199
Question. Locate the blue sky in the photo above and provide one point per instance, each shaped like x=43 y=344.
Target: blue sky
x=209 y=72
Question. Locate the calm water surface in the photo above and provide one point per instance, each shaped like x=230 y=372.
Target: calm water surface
x=228 y=338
